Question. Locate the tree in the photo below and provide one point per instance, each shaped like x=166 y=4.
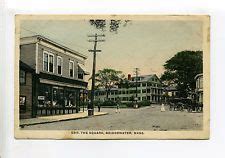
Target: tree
x=108 y=78
x=181 y=70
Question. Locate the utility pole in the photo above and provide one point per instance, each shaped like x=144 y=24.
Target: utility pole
x=96 y=40
x=136 y=72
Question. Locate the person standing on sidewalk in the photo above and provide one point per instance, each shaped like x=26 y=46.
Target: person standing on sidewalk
x=117 y=104
x=99 y=105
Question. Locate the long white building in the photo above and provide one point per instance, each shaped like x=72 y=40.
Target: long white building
x=149 y=87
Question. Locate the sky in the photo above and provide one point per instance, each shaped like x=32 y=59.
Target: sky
x=145 y=44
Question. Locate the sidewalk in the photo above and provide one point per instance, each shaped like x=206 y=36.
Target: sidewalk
x=57 y=118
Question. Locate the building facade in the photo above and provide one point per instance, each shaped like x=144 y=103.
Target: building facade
x=199 y=88
x=26 y=80
x=58 y=78
x=149 y=87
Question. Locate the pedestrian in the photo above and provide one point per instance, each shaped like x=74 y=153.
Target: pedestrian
x=118 y=105
x=163 y=108
x=99 y=106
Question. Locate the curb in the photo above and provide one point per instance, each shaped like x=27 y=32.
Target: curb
x=45 y=122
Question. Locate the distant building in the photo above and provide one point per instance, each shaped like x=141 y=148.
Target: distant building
x=149 y=88
x=199 y=88
x=171 y=91
x=51 y=77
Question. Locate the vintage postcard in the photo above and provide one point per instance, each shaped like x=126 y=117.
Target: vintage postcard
x=112 y=76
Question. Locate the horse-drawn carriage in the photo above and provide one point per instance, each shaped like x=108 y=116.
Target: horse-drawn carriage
x=180 y=104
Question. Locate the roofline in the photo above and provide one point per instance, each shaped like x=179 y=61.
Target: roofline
x=40 y=37
x=144 y=75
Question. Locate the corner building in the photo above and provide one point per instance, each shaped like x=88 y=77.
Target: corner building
x=58 y=77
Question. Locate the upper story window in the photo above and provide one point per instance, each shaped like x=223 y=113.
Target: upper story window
x=48 y=62
x=71 y=68
x=45 y=62
x=22 y=77
x=80 y=76
x=51 y=63
x=59 y=65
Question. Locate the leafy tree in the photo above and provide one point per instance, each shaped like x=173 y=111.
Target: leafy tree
x=108 y=78
x=181 y=70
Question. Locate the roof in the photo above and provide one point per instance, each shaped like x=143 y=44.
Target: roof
x=171 y=88
x=40 y=37
x=146 y=78
x=82 y=68
x=25 y=67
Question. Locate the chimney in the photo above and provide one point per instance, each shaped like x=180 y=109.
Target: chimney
x=129 y=77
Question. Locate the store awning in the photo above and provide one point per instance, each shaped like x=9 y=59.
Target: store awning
x=82 y=69
x=55 y=83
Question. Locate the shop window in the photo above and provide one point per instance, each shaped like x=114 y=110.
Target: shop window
x=59 y=65
x=71 y=68
x=71 y=98
x=45 y=96
x=22 y=77
x=58 y=97
x=22 y=106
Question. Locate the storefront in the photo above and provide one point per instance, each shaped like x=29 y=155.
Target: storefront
x=56 y=97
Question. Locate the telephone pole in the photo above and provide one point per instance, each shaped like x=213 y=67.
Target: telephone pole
x=136 y=72
x=95 y=40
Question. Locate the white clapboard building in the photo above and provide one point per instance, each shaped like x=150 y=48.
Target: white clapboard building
x=149 y=87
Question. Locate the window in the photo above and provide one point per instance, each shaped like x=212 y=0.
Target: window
x=22 y=77
x=45 y=62
x=81 y=76
x=48 y=62
x=80 y=72
x=22 y=104
x=51 y=63
x=71 y=68
x=59 y=65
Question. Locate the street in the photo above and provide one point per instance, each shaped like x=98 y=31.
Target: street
x=146 y=118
